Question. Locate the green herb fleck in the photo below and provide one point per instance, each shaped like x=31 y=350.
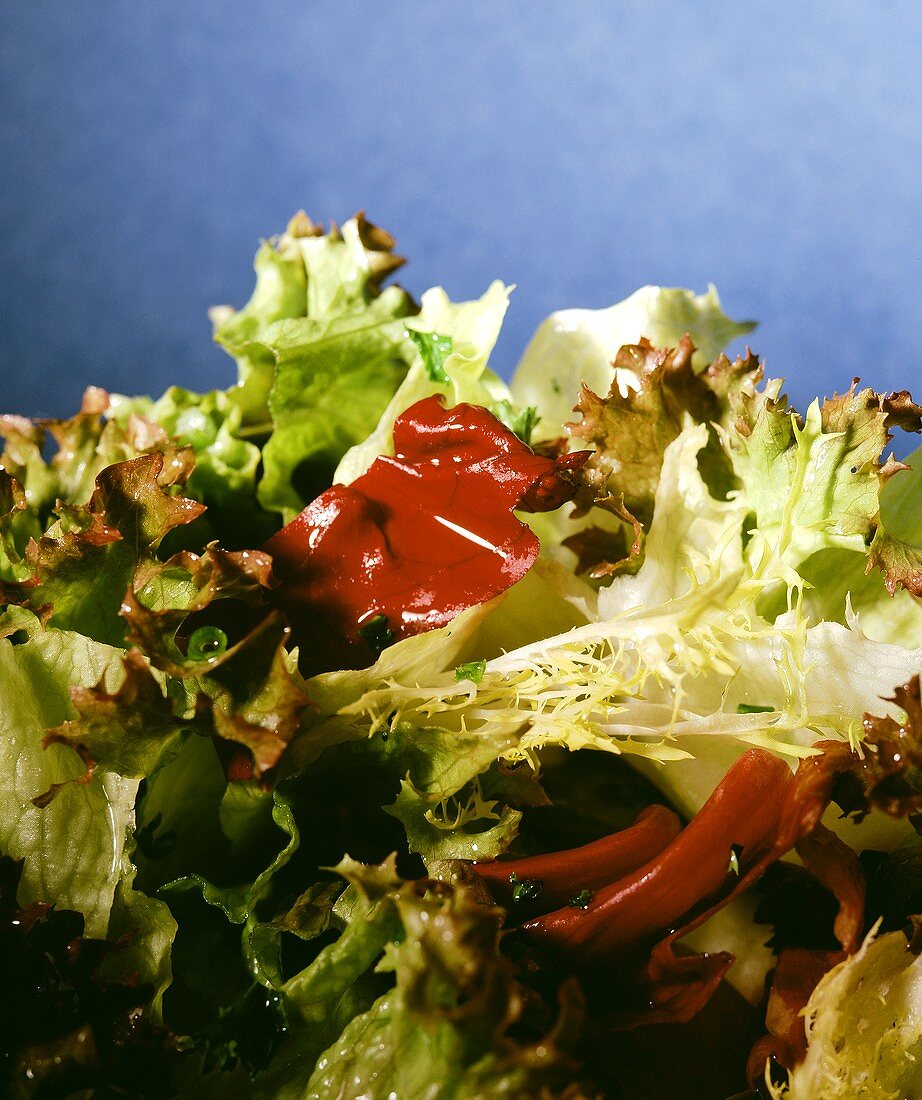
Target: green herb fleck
x=519 y=421
x=748 y=708
x=377 y=633
x=581 y=900
x=525 y=890
x=472 y=671
x=206 y=643
x=434 y=350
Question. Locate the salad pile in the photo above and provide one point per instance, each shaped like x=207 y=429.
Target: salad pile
x=372 y=728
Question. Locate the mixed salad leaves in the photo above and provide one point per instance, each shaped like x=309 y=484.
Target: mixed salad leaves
x=372 y=728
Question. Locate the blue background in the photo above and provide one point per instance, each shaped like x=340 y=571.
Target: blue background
x=577 y=149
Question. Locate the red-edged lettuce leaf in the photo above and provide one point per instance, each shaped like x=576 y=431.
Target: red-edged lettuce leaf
x=418 y=538
x=83 y=566
x=224 y=594
x=251 y=705
x=632 y=427
x=603 y=552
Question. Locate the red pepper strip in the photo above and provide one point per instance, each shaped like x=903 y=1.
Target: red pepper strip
x=565 y=874
x=759 y=810
x=416 y=539
x=744 y=811
x=837 y=867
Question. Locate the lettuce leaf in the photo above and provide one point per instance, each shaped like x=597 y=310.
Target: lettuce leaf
x=320 y=349
x=442 y=1029
x=864 y=1027
x=85 y=562
x=84 y=445
x=630 y=428
x=73 y=849
x=815 y=483
x=578 y=346
x=226 y=466
x=280 y=292
x=897 y=546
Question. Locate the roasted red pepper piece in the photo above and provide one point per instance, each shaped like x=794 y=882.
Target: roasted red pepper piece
x=564 y=875
x=624 y=938
x=416 y=539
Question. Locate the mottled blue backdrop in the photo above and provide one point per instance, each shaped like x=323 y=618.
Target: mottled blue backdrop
x=577 y=149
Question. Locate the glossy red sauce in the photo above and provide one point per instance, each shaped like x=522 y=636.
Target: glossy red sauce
x=418 y=538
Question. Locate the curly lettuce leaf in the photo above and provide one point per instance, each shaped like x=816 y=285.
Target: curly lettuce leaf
x=84 y=445
x=576 y=346
x=226 y=466
x=864 y=1027
x=465 y=825
x=280 y=292
x=85 y=562
x=442 y=1028
x=815 y=483
x=333 y=379
x=897 y=546
x=631 y=428
x=320 y=349
x=305 y=273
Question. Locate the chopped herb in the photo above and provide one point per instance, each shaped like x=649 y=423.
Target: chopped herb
x=472 y=670
x=735 y=852
x=377 y=633
x=525 y=890
x=434 y=349
x=749 y=708
x=581 y=900
x=520 y=421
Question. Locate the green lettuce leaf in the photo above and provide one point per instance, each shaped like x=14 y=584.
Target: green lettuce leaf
x=146 y=929
x=897 y=546
x=332 y=382
x=442 y=1029
x=226 y=463
x=320 y=349
x=280 y=292
x=73 y=849
x=815 y=483
x=864 y=1027
x=464 y=825
x=17 y=527
x=577 y=346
